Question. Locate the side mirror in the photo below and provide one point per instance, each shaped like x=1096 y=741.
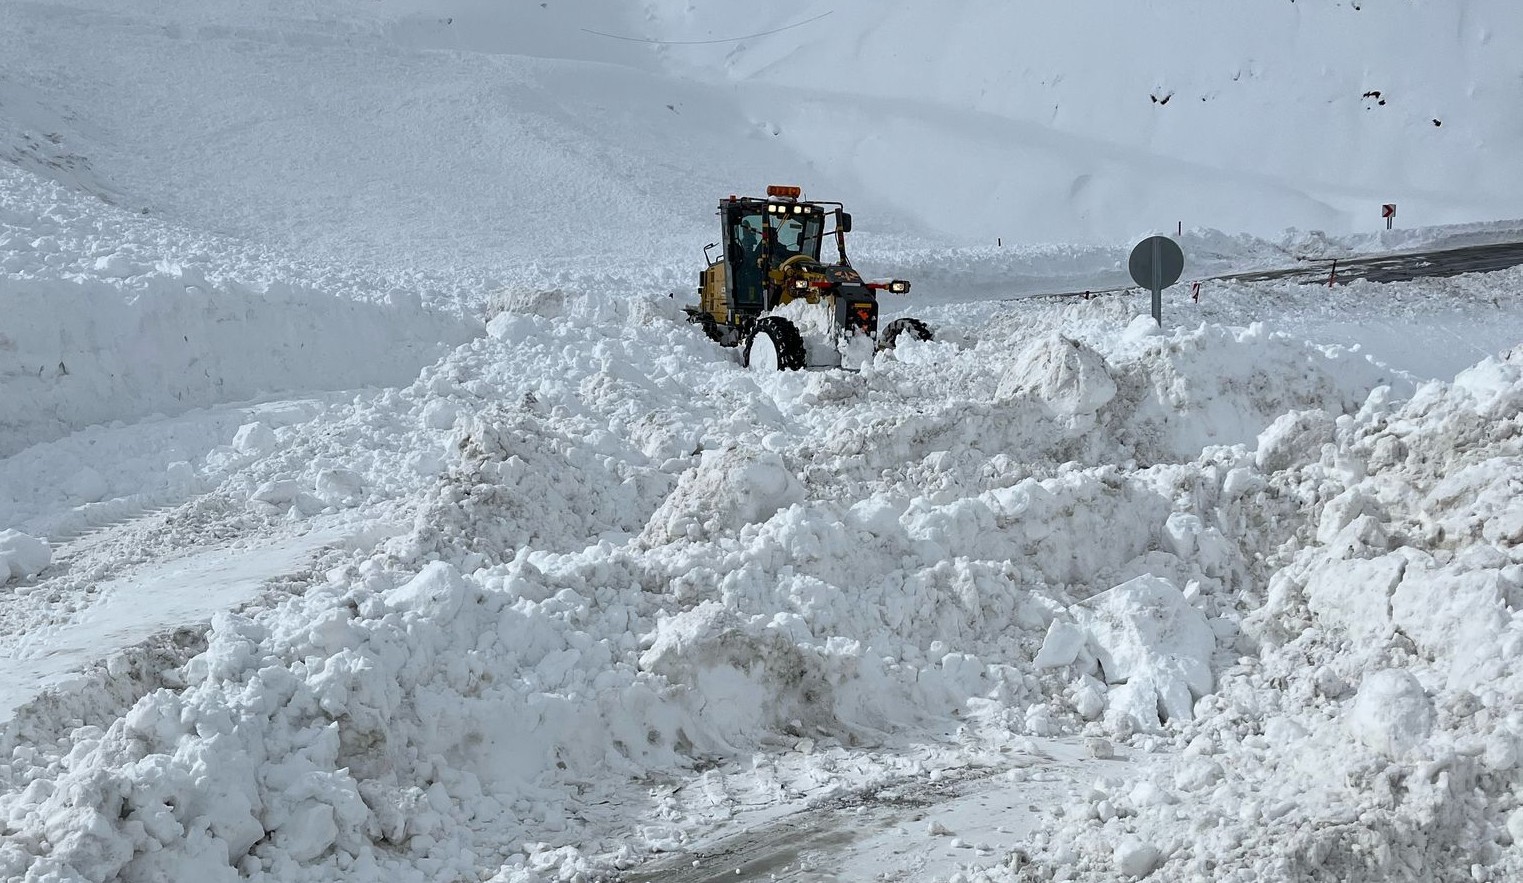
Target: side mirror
x=843 y=220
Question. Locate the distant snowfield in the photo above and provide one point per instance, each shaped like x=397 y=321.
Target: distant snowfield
x=1075 y=121
x=369 y=511
x=440 y=134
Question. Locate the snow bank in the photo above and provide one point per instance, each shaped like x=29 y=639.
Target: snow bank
x=1163 y=396
x=117 y=317
x=75 y=354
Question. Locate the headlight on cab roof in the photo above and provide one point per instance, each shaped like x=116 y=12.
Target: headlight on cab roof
x=899 y=286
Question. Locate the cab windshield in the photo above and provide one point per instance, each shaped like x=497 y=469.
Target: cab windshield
x=798 y=234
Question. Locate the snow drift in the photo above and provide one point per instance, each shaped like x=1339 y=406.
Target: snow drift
x=483 y=690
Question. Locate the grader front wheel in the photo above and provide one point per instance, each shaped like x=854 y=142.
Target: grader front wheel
x=774 y=345
x=914 y=328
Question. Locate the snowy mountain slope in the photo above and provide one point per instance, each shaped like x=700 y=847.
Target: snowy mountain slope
x=1083 y=120
x=376 y=135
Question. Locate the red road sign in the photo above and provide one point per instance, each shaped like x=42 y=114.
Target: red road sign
x=1388 y=210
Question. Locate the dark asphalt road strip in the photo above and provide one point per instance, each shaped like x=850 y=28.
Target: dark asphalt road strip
x=1403 y=267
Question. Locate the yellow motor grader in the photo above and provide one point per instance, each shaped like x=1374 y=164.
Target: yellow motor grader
x=768 y=281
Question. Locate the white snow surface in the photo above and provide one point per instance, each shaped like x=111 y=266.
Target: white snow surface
x=369 y=511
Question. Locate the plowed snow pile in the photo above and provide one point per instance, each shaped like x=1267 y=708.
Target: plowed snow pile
x=1284 y=578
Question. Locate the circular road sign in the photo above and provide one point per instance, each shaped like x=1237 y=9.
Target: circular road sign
x=1156 y=262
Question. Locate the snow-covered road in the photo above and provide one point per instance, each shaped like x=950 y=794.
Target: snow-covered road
x=123 y=612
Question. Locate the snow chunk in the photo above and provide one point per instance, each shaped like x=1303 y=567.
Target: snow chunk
x=1355 y=595
x=1463 y=615
x=282 y=492
x=437 y=590
x=1135 y=858
x=547 y=303
x=1341 y=511
x=254 y=440
x=117 y=266
x=1294 y=438
x=1066 y=374
x=1391 y=714
x=1100 y=749
x=1153 y=645
x=22 y=555
x=1061 y=646
x=1497 y=387
x=440 y=414
x=1481 y=494
x=308 y=832
x=1441 y=610
x=729 y=490
x=1140 y=328
x=340 y=487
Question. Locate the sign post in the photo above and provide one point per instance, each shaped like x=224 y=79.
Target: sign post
x=1388 y=211
x=1155 y=264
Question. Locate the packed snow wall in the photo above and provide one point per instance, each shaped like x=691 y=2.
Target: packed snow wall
x=78 y=353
